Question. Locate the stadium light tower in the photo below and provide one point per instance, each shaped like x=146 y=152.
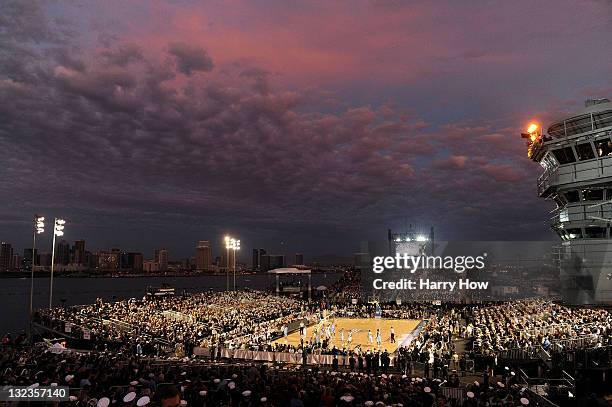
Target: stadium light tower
x=58 y=230
x=39 y=227
x=235 y=248
x=234 y=245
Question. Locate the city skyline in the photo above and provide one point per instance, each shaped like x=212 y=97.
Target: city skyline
x=75 y=254
x=298 y=127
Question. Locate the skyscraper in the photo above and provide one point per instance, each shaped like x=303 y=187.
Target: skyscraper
x=91 y=260
x=16 y=262
x=257 y=253
x=131 y=261
x=62 y=253
x=272 y=261
x=161 y=258
x=137 y=261
x=203 y=256
x=6 y=256
x=78 y=251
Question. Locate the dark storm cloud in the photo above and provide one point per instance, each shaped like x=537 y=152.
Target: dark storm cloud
x=190 y=58
x=125 y=136
x=123 y=54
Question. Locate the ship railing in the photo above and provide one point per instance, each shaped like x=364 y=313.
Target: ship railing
x=590 y=210
x=601 y=164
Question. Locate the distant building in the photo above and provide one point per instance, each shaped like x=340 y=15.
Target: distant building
x=78 y=252
x=257 y=253
x=272 y=261
x=131 y=261
x=161 y=258
x=44 y=260
x=299 y=258
x=62 y=253
x=150 y=266
x=124 y=261
x=108 y=260
x=91 y=260
x=16 y=262
x=6 y=256
x=137 y=262
x=361 y=260
x=203 y=256
x=26 y=261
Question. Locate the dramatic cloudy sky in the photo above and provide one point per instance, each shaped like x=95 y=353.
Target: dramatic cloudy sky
x=298 y=126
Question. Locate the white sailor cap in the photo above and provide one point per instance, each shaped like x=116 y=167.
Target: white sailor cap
x=128 y=398
x=143 y=401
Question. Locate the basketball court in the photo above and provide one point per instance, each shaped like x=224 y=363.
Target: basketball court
x=359 y=328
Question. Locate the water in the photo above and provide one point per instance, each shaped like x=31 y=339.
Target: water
x=15 y=292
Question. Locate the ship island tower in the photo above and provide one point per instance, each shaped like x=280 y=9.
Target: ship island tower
x=576 y=155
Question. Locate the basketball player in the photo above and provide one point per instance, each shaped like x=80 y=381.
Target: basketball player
x=350 y=337
x=342 y=335
x=392 y=335
x=370 y=339
x=378 y=337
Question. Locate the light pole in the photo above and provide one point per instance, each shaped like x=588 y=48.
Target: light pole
x=39 y=227
x=58 y=230
x=227 y=247
x=234 y=245
x=235 y=248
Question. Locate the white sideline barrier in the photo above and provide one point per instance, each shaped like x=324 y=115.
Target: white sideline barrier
x=280 y=357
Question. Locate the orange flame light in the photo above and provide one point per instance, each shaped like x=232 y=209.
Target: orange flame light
x=532 y=129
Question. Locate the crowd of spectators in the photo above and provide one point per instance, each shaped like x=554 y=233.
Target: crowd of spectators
x=103 y=378
x=254 y=320
x=529 y=324
x=126 y=360
x=223 y=318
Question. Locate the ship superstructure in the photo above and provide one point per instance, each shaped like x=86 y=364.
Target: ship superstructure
x=576 y=154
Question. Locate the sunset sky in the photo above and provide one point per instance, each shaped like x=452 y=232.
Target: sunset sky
x=294 y=125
